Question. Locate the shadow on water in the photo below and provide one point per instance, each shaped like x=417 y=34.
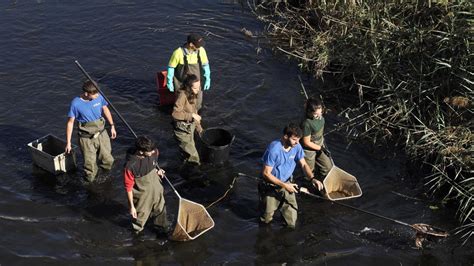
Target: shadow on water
x=276 y=245
x=14 y=140
x=94 y=201
x=207 y=183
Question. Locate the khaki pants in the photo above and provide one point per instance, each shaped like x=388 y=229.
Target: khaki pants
x=319 y=159
x=272 y=199
x=94 y=149
x=185 y=137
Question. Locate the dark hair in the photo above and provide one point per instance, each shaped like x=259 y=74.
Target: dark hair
x=188 y=82
x=144 y=144
x=195 y=39
x=292 y=130
x=311 y=105
x=90 y=87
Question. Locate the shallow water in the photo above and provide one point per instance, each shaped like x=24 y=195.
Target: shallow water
x=122 y=44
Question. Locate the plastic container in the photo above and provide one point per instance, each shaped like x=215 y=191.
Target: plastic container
x=216 y=143
x=166 y=97
x=48 y=153
x=340 y=185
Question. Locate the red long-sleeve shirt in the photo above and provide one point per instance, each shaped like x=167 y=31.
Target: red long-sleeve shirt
x=128 y=179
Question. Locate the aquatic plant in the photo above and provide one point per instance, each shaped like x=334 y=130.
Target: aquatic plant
x=405 y=70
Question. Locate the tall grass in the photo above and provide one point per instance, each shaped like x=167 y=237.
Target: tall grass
x=406 y=74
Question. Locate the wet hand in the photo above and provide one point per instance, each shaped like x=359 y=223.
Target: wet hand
x=133 y=212
x=199 y=129
x=292 y=188
x=317 y=184
x=113 y=132
x=68 y=148
x=161 y=172
x=196 y=117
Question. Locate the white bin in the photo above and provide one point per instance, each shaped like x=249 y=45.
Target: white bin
x=48 y=153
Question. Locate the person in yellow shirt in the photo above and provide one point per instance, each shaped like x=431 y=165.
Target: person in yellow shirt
x=191 y=58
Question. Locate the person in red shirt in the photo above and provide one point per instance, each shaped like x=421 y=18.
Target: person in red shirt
x=142 y=182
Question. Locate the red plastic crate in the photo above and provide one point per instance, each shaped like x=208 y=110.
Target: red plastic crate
x=166 y=97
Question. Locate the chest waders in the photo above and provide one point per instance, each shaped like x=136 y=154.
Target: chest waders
x=183 y=70
x=95 y=145
x=149 y=201
x=272 y=198
x=184 y=134
x=201 y=220
x=318 y=158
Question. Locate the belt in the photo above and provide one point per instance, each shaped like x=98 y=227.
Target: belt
x=89 y=135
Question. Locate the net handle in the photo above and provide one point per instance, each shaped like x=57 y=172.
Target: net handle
x=171 y=185
x=412 y=226
x=105 y=97
x=119 y=115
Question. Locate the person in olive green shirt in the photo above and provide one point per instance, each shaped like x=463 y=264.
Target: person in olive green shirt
x=313 y=138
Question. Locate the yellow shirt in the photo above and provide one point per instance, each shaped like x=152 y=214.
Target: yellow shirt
x=177 y=58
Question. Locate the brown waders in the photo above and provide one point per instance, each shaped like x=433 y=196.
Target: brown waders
x=149 y=201
x=318 y=158
x=184 y=133
x=273 y=198
x=182 y=71
x=95 y=145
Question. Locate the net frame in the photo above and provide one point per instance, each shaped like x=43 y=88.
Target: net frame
x=192 y=217
x=338 y=179
x=185 y=226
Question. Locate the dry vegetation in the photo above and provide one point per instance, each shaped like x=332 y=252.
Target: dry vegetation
x=405 y=72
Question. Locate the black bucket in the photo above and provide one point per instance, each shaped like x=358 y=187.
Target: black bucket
x=216 y=144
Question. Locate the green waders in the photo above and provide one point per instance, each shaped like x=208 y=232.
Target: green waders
x=149 y=201
x=273 y=198
x=182 y=71
x=318 y=158
x=184 y=133
x=95 y=145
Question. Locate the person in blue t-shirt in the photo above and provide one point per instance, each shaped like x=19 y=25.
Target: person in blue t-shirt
x=279 y=162
x=88 y=110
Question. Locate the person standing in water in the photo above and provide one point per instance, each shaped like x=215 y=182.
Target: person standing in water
x=142 y=182
x=189 y=59
x=313 y=139
x=89 y=109
x=186 y=119
x=277 y=191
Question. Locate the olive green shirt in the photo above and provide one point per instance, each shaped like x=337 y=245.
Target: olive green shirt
x=314 y=128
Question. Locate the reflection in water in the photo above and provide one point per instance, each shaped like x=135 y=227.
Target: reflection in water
x=276 y=245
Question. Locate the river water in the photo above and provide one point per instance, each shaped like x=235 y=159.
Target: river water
x=57 y=220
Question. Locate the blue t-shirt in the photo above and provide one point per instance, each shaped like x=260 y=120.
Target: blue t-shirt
x=87 y=111
x=283 y=162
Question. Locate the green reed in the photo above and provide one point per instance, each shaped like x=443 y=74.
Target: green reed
x=405 y=70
